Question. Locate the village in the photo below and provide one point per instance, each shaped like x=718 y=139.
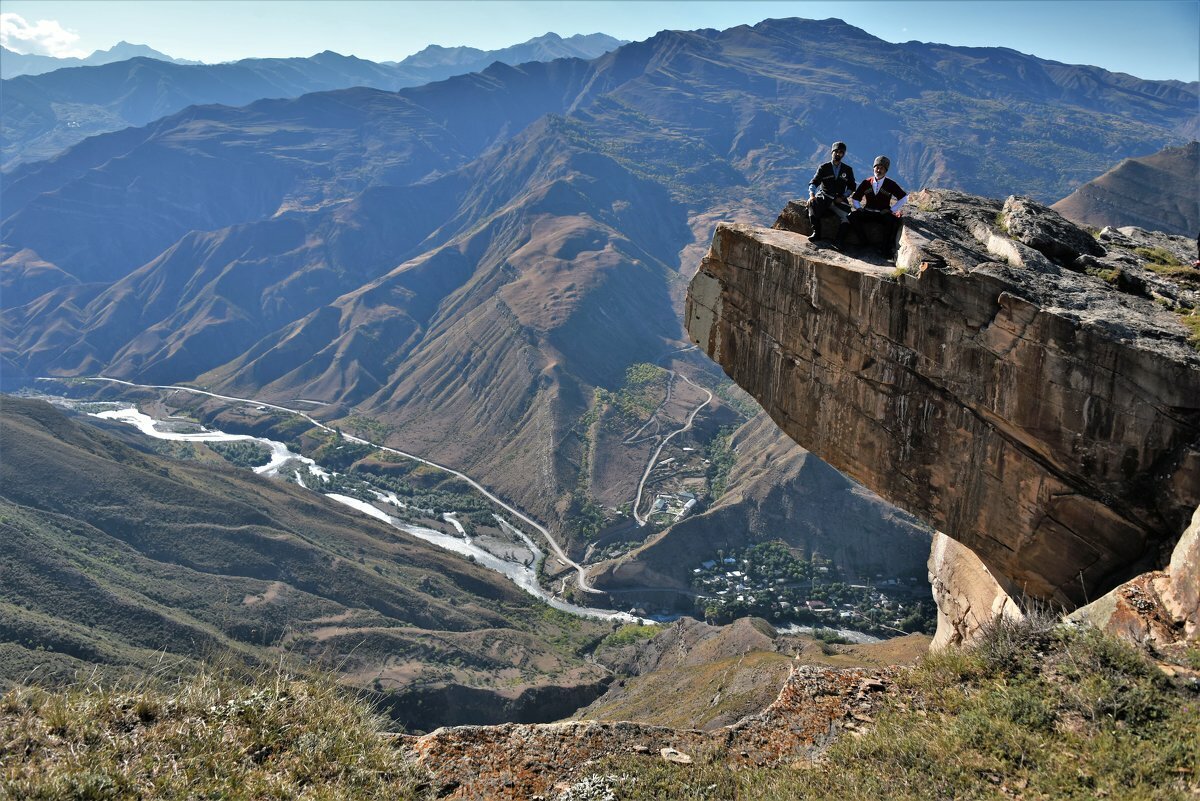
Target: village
x=767 y=580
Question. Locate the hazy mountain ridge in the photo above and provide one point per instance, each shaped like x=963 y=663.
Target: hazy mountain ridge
x=17 y=64
x=437 y=62
x=46 y=114
x=302 y=155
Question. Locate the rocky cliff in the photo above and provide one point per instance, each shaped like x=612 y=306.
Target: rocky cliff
x=1018 y=383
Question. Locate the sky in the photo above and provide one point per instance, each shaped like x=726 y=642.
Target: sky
x=1152 y=39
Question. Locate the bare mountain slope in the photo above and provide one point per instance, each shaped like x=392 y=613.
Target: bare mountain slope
x=1156 y=192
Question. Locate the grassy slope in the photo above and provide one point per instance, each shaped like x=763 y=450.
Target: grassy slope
x=1031 y=713
x=211 y=736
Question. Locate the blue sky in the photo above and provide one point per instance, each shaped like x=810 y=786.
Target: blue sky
x=1147 y=38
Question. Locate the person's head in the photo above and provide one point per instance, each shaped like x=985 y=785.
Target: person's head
x=881 y=165
x=837 y=152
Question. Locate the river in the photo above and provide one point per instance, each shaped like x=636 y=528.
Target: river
x=521 y=573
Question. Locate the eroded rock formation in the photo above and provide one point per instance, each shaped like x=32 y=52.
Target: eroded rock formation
x=967 y=594
x=1160 y=608
x=1014 y=381
x=516 y=761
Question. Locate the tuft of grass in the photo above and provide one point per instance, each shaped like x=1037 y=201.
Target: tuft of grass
x=1191 y=321
x=1111 y=276
x=1158 y=256
x=211 y=736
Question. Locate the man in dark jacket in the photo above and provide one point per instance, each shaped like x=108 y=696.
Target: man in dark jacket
x=829 y=188
x=881 y=199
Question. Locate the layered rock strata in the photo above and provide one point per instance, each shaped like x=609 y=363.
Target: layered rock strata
x=1014 y=381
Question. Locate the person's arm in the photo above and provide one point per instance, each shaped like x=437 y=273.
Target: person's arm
x=857 y=197
x=815 y=183
x=901 y=197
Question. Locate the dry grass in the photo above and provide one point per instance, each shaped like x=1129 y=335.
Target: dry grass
x=1033 y=713
x=213 y=736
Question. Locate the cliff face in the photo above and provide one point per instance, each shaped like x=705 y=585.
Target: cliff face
x=1015 y=382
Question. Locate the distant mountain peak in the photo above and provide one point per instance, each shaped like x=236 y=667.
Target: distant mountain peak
x=15 y=64
x=548 y=46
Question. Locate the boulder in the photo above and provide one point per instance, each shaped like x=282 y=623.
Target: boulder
x=1159 y=609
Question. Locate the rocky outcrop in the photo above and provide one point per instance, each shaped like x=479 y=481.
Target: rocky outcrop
x=1015 y=383
x=517 y=761
x=1160 y=609
x=968 y=596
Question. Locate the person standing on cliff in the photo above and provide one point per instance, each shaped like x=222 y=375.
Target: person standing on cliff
x=829 y=189
x=878 y=200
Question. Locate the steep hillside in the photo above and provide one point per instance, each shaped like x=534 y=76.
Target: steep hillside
x=136 y=563
x=1155 y=192
x=775 y=492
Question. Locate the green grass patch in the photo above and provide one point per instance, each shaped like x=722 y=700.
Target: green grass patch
x=630 y=633
x=1191 y=321
x=242 y=453
x=643 y=388
x=1112 y=276
x=1158 y=256
x=721 y=460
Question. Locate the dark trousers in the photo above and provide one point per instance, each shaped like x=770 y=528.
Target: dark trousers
x=818 y=207
x=876 y=226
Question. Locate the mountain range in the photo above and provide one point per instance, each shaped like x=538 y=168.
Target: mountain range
x=16 y=64
x=45 y=114
x=475 y=264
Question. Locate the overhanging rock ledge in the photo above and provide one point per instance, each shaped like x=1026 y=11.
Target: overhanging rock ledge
x=1017 y=383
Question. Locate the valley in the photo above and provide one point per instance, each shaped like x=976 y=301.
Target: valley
x=383 y=370
x=437 y=503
